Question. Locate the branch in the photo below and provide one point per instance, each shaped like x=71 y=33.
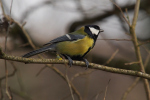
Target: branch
x=117 y=39
x=137 y=48
x=130 y=88
x=69 y=82
x=12 y=74
x=78 y=63
x=106 y=90
x=136 y=44
x=112 y=57
x=121 y=12
x=142 y=43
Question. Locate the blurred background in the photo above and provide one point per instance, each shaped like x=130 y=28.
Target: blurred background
x=45 y=20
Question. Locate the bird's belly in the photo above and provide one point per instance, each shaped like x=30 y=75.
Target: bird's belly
x=75 y=48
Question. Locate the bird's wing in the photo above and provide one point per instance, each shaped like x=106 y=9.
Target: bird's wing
x=67 y=37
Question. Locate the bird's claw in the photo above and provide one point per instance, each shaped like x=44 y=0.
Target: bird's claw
x=70 y=60
x=86 y=62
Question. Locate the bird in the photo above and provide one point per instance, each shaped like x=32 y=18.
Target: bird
x=72 y=46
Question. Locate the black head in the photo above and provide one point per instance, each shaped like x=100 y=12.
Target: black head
x=93 y=31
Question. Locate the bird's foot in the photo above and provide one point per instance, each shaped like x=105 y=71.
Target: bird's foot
x=58 y=57
x=70 y=60
x=86 y=62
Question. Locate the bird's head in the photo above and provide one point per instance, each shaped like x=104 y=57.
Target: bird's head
x=93 y=31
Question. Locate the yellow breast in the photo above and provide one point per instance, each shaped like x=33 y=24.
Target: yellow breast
x=73 y=48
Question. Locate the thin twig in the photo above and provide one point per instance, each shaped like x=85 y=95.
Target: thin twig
x=126 y=10
x=11 y=7
x=96 y=97
x=70 y=88
x=142 y=43
x=106 y=90
x=1 y=92
x=131 y=63
x=41 y=70
x=130 y=88
x=3 y=12
x=23 y=45
x=63 y=76
x=117 y=39
x=81 y=73
x=6 y=69
x=26 y=34
x=112 y=57
x=4 y=77
x=20 y=82
x=121 y=12
x=10 y=75
x=65 y=98
x=21 y=94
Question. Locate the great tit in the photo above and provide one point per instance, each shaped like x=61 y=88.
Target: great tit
x=72 y=46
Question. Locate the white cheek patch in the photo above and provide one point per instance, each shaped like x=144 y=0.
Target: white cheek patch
x=94 y=31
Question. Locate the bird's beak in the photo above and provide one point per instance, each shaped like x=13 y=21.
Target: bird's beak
x=101 y=30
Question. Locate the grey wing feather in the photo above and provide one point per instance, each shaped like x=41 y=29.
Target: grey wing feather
x=67 y=37
x=41 y=50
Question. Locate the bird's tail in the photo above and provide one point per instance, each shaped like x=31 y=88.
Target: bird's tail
x=38 y=51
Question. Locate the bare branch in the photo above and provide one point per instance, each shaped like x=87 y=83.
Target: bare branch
x=112 y=57
x=131 y=63
x=121 y=12
x=137 y=48
x=117 y=39
x=4 y=77
x=78 y=63
x=81 y=73
x=126 y=10
x=69 y=82
x=130 y=88
x=136 y=11
x=41 y=70
x=106 y=90
x=135 y=41
x=142 y=43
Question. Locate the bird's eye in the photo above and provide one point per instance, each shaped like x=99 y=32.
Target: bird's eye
x=97 y=27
